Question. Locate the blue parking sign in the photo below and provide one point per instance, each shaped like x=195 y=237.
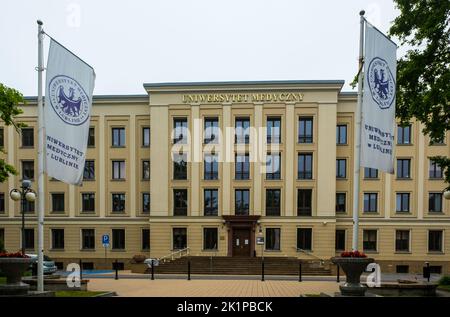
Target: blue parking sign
x=105 y=240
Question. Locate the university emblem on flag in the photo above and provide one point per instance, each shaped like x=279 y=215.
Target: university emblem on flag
x=69 y=100
x=381 y=83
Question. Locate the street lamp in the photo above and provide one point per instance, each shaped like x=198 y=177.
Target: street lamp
x=25 y=194
x=447 y=194
x=261 y=237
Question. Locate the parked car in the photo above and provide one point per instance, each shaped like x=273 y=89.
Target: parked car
x=49 y=264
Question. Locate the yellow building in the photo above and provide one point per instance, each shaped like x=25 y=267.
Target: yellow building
x=230 y=162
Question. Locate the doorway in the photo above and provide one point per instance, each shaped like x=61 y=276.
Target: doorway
x=241 y=242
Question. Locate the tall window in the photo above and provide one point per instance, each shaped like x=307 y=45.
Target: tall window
x=91 y=137
x=341 y=202
x=179 y=237
x=179 y=166
x=242 y=166
x=370 y=202
x=146 y=170
x=304 y=207
x=88 y=239
x=118 y=137
x=370 y=240
x=402 y=202
x=211 y=131
x=340 y=240
x=29 y=239
x=435 y=240
x=58 y=239
x=118 y=202
x=304 y=162
x=145 y=239
x=2 y=239
x=273 y=202
x=180 y=202
x=118 y=168
x=2 y=203
x=341 y=168
x=403 y=168
x=305 y=130
x=274 y=130
x=145 y=136
x=88 y=202
x=211 y=202
x=370 y=172
x=435 y=171
x=435 y=202
x=241 y=201
x=145 y=203
x=28 y=206
x=89 y=170
x=273 y=239
x=210 y=239
x=402 y=240
x=180 y=134
x=304 y=239
x=211 y=167
x=118 y=239
x=2 y=137
x=57 y=202
x=404 y=134
x=273 y=166
x=27 y=137
x=242 y=130
x=28 y=170
x=341 y=134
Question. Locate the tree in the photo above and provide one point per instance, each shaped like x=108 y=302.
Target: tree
x=9 y=109
x=423 y=74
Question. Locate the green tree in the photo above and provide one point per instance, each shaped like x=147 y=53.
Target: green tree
x=423 y=74
x=9 y=109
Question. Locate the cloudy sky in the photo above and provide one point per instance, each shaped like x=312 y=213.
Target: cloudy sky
x=132 y=42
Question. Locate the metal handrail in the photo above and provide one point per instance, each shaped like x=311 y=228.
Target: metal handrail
x=322 y=261
x=173 y=254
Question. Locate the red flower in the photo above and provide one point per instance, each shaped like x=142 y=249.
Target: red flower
x=353 y=254
x=17 y=254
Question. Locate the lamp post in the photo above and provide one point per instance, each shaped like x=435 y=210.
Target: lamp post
x=261 y=236
x=25 y=194
x=447 y=194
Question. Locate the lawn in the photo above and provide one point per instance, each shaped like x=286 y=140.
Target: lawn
x=77 y=293
x=2 y=280
x=444 y=288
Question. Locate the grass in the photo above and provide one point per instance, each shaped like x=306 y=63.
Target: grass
x=78 y=293
x=444 y=288
x=2 y=280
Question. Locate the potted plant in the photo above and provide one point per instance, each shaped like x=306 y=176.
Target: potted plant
x=13 y=266
x=353 y=263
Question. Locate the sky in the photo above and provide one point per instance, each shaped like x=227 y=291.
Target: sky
x=134 y=42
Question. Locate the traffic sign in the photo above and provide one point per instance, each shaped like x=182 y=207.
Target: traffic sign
x=105 y=240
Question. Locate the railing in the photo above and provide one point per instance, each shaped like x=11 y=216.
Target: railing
x=178 y=253
x=322 y=261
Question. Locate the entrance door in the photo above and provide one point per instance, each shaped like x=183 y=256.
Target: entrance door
x=241 y=242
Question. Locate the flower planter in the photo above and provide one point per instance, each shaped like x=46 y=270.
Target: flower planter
x=353 y=268
x=13 y=269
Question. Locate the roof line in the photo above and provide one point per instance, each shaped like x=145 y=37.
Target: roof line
x=230 y=83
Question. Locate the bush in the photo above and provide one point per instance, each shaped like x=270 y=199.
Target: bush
x=445 y=280
x=139 y=258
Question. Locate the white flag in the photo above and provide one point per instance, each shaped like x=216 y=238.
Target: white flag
x=378 y=107
x=68 y=102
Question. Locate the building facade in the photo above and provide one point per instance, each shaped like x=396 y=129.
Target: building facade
x=212 y=166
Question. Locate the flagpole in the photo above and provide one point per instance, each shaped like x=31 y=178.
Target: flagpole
x=356 y=166
x=41 y=195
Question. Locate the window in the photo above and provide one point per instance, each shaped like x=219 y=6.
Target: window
x=403 y=168
x=209 y=238
x=370 y=202
x=404 y=134
x=340 y=240
x=341 y=134
x=88 y=202
x=29 y=238
x=28 y=170
x=28 y=206
x=210 y=167
x=2 y=203
x=180 y=202
x=145 y=239
x=2 y=239
x=304 y=162
x=305 y=130
x=369 y=240
x=27 y=137
x=242 y=166
x=118 y=137
x=2 y=137
x=341 y=168
x=118 y=239
x=88 y=239
x=402 y=269
x=211 y=204
x=118 y=170
x=242 y=131
x=58 y=202
x=146 y=170
x=58 y=239
x=273 y=239
x=435 y=171
x=89 y=170
x=370 y=173
x=435 y=240
x=180 y=133
x=179 y=238
x=402 y=240
x=304 y=207
x=402 y=202
x=435 y=202
x=341 y=202
x=145 y=203
x=273 y=130
x=241 y=201
x=179 y=166
x=91 y=137
x=145 y=137
x=273 y=202
x=273 y=166
x=211 y=131
x=304 y=239
x=118 y=202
